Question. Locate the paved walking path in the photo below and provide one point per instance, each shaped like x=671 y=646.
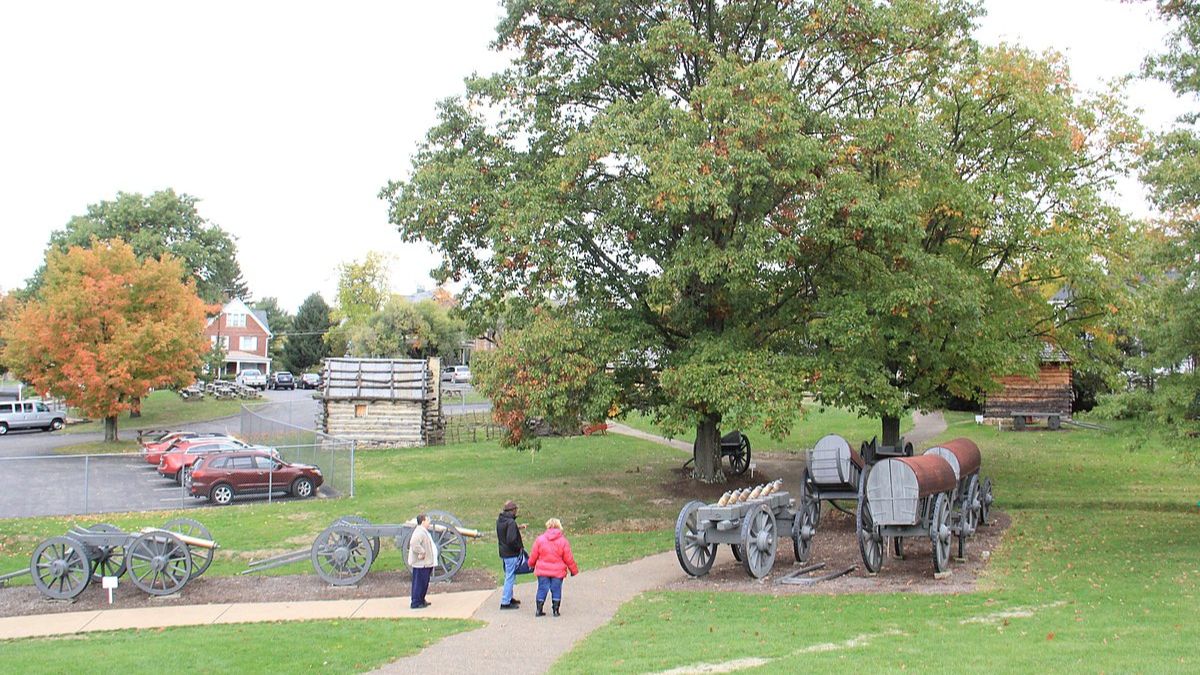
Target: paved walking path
x=519 y=642
x=460 y=605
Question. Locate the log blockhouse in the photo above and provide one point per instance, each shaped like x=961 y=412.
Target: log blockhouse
x=383 y=402
x=1049 y=392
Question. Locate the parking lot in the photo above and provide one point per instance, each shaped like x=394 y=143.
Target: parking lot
x=34 y=481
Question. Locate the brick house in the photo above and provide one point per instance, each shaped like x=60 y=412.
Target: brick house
x=244 y=334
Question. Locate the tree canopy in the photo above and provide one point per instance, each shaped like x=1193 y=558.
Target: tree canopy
x=306 y=345
x=405 y=328
x=164 y=222
x=281 y=324
x=757 y=201
x=106 y=329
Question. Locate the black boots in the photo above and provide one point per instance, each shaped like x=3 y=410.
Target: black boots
x=554 y=607
x=539 y=608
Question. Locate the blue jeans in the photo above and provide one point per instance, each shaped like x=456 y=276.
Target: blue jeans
x=512 y=567
x=551 y=584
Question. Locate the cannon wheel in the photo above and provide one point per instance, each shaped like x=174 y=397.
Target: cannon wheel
x=201 y=557
x=107 y=561
x=804 y=525
x=758 y=541
x=341 y=554
x=60 y=568
x=739 y=461
x=870 y=544
x=939 y=533
x=695 y=557
x=985 y=502
x=359 y=520
x=159 y=563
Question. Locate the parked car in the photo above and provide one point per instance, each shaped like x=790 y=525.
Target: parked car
x=251 y=377
x=29 y=415
x=310 y=381
x=180 y=459
x=154 y=450
x=221 y=476
x=281 y=379
x=457 y=375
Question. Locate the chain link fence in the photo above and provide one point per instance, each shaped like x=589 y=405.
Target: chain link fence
x=298 y=444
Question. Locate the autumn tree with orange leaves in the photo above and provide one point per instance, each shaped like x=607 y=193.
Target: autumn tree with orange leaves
x=107 y=329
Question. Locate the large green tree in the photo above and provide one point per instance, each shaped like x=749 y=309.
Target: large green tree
x=306 y=343
x=281 y=325
x=163 y=222
x=405 y=328
x=758 y=200
x=362 y=290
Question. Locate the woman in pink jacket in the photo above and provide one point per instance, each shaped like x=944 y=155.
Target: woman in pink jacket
x=551 y=559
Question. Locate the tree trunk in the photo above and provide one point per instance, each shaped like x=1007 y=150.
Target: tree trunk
x=110 y=429
x=136 y=410
x=891 y=431
x=707 y=451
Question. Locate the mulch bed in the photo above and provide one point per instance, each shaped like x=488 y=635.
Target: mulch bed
x=206 y=590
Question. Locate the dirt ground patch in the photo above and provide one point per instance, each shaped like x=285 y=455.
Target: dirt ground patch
x=836 y=546
x=24 y=600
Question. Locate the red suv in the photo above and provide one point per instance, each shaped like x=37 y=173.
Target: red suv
x=183 y=454
x=220 y=477
x=154 y=450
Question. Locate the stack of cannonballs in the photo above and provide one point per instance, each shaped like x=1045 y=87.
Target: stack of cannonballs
x=749 y=494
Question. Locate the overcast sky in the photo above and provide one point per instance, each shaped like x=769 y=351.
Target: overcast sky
x=286 y=118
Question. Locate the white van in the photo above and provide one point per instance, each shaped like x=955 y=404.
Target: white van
x=29 y=415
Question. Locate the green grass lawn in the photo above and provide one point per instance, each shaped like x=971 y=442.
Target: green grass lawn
x=807 y=429
x=608 y=490
x=1099 y=573
x=164 y=409
x=349 y=646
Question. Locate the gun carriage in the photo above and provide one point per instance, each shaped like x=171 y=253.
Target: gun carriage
x=749 y=521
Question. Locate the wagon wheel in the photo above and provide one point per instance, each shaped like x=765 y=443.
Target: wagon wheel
x=870 y=542
x=804 y=525
x=202 y=557
x=985 y=502
x=807 y=484
x=758 y=541
x=159 y=563
x=107 y=561
x=970 y=506
x=898 y=547
x=939 y=533
x=739 y=461
x=695 y=556
x=341 y=555
x=736 y=550
x=60 y=568
x=451 y=546
x=358 y=520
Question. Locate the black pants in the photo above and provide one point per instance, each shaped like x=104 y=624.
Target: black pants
x=420 y=585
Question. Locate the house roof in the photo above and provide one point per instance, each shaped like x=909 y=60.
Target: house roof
x=1053 y=354
x=238 y=306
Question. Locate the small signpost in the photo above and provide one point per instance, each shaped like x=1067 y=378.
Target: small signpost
x=109 y=583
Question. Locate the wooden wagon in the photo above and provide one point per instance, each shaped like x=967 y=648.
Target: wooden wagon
x=751 y=528
x=905 y=497
x=972 y=499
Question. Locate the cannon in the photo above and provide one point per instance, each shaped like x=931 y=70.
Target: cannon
x=749 y=526
x=905 y=497
x=158 y=560
x=343 y=552
x=969 y=494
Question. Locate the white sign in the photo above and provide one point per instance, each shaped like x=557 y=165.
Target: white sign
x=109 y=583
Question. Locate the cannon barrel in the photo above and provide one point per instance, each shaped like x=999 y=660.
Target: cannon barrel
x=896 y=486
x=962 y=454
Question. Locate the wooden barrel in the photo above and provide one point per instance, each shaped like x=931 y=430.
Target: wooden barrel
x=962 y=454
x=833 y=462
x=896 y=486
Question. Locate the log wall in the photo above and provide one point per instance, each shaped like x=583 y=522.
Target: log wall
x=1049 y=392
x=390 y=423
x=383 y=402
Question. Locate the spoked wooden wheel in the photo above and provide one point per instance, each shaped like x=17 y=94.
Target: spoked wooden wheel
x=971 y=506
x=985 y=502
x=939 y=533
x=202 y=556
x=358 y=520
x=60 y=568
x=695 y=556
x=159 y=563
x=739 y=461
x=451 y=545
x=107 y=561
x=341 y=555
x=804 y=527
x=870 y=541
x=758 y=541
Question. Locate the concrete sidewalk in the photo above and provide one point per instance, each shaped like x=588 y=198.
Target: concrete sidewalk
x=462 y=605
x=519 y=642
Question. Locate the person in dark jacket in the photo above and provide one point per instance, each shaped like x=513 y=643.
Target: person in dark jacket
x=512 y=553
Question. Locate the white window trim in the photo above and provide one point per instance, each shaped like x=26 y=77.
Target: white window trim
x=244 y=339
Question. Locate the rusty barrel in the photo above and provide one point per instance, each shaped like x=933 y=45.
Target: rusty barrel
x=962 y=454
x=895 y=487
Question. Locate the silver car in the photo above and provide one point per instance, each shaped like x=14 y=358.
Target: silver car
x=29 y=415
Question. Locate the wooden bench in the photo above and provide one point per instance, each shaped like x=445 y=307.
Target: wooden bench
x=1021 y=419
